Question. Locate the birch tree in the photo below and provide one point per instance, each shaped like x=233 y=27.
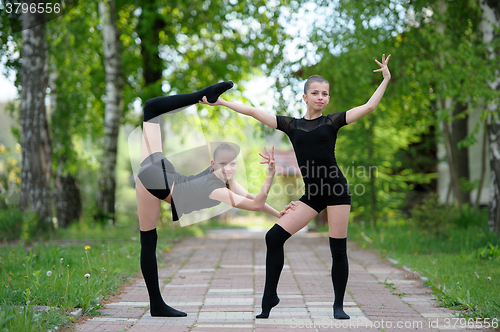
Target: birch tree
x=490 y=26
x=35 y=140
x=113 y=109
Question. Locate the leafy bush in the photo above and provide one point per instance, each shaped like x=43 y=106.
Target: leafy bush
x=11 y=220
x=488 y=252
x=470 y=217
x=433 y=216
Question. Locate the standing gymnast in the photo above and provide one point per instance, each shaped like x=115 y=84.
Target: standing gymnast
x=157 y=180
x=313 y=138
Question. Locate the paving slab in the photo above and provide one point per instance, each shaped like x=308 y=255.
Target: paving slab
x=219 y=279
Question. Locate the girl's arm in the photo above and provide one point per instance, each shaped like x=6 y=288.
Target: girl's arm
x=360 y=111
x=260 y=115
x=257 y=204
x=240 y=190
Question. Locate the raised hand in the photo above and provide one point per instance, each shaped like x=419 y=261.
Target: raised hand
x=383 y=67
x=205 y=101
x=269 y=159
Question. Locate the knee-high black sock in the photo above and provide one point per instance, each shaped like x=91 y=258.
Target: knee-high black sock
x=275 y=259
x=340 y=273
x=160 y=105
x=150 y=272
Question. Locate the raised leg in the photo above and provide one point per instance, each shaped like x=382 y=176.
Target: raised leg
x=161 y=105
x=151 y=138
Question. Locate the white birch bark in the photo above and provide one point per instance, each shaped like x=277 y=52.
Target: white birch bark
x=113 y=109
x=490 y=23
x=35 y=139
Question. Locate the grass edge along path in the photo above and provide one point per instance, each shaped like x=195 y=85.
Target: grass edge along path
x=462 y=266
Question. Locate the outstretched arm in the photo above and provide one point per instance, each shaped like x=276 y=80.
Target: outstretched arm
x=260 y=115
x=360 y=111
x=257 y=204
x=240 y=190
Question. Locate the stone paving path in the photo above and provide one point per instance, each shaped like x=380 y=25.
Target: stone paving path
x=219 y=279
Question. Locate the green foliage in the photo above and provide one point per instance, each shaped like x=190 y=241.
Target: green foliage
x=432 y=215
x=54 y=276
x=469 y=216
x=488 y=252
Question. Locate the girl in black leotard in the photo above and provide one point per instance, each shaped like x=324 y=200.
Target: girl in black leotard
x=313 y=138
x=157 y=180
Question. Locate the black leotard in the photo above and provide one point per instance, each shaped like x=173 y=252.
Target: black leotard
x=191 y=193
x=314 y=145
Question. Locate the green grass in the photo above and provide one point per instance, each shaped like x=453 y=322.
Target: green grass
x=462 y=264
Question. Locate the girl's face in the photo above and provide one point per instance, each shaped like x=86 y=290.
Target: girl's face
x=224 y=164
x=318 y=96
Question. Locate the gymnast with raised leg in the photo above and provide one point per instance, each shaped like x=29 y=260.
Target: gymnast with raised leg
x=313 y=138
x=158 y=181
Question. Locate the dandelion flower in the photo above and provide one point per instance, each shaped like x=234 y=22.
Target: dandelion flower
x=87 y=275
x=25 y=277
x=49 y=273
x=87 y=247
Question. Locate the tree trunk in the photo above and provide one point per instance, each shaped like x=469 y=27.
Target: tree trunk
x=459 y=132
x=483 y=167
x=451 y=158
x=149 y=26
x=491 y=22
x=373 y=187
x=113 y=110
x=68 y=198
x=35 y=139
x=68 y=201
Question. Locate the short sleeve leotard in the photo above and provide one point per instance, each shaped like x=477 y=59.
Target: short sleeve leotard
x=314 y=145
x=191 y=193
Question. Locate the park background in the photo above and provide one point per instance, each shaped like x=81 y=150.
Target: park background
x=81 y=79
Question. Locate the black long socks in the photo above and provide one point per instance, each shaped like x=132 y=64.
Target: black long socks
x=160 y=105
x=275 y=259
x=340 y=273
x=150 y=272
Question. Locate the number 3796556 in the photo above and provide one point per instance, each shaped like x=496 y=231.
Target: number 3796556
x=33 y=8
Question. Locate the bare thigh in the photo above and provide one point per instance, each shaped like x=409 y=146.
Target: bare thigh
x=338 y=218
x=148 y=207
x=151 y=139
x=294 y=221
